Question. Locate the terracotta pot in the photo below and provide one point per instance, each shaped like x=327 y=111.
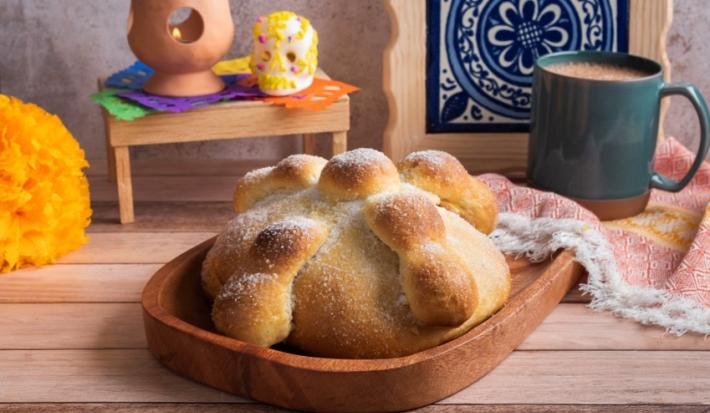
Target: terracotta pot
x=181 y=55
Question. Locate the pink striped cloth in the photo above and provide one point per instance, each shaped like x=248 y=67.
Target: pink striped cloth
x=654 y=267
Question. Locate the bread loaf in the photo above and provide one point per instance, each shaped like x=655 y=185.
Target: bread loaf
x=357 y=257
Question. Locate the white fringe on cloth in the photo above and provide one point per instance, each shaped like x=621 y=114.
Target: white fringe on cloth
x=538 y=239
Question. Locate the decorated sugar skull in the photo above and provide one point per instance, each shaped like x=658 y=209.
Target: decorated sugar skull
x=285 y=53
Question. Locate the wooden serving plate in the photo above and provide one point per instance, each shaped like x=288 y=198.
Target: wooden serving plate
x=181 y=336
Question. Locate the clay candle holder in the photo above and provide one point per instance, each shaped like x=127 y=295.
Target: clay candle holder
x=181 y=54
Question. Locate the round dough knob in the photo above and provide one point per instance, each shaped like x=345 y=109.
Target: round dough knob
x=358 y=174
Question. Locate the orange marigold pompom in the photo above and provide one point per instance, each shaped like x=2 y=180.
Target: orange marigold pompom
x=44 y=195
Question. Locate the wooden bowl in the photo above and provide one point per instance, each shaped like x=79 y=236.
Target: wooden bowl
x=181 y=336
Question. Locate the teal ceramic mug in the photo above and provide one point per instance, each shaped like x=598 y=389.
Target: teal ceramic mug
x=594 y=140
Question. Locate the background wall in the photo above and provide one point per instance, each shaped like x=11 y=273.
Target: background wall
x=51 y=52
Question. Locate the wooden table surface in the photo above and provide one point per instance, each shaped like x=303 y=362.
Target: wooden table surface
x=71 y=334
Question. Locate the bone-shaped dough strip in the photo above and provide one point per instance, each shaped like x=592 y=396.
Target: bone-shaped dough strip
x=255 y=305
x=443 y=175
x=440 y=289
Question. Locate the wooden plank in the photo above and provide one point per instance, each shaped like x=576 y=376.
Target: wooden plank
x=71 y=326
x=562 y=408
x=81 y=283
x=492 y=152
x=576 y=327
x=142 y=408
x=183 y=167
x=232 y=120
x=103 y=283
x=648 y=33
x=405 y=88
x=119 y=325
x=648 y=30
x=95 y=376
x=164 y=217
x=259 y=408
x=134 y=248
x=591 y=377
x=169 y=188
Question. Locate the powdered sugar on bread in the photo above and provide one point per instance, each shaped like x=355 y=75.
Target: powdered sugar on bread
x=313 y=267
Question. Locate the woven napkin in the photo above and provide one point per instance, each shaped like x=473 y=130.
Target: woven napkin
x=653 y=268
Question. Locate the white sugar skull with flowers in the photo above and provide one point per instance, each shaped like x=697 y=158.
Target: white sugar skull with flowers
x=285 y=54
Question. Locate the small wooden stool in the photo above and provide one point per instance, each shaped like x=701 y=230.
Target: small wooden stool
x=229 y=120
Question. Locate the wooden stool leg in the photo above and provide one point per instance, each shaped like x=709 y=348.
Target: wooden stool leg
x=124 y=184
x=309 y=143
x=110 y=162
x=110 y=156
x=340 y=142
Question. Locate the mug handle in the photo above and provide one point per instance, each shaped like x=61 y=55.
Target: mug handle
x=696 y=98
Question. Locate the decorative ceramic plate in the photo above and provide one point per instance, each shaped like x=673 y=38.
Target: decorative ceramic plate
x=481 y=55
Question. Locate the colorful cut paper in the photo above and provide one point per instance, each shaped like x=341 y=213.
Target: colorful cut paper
x=234 y=91
x=321 y=94
x=135 y=75
x=234 y=66
x=131 y=77
x=120 y=108
x=127 y=101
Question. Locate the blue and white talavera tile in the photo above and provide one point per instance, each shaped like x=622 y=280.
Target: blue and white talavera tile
x=481 y=55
